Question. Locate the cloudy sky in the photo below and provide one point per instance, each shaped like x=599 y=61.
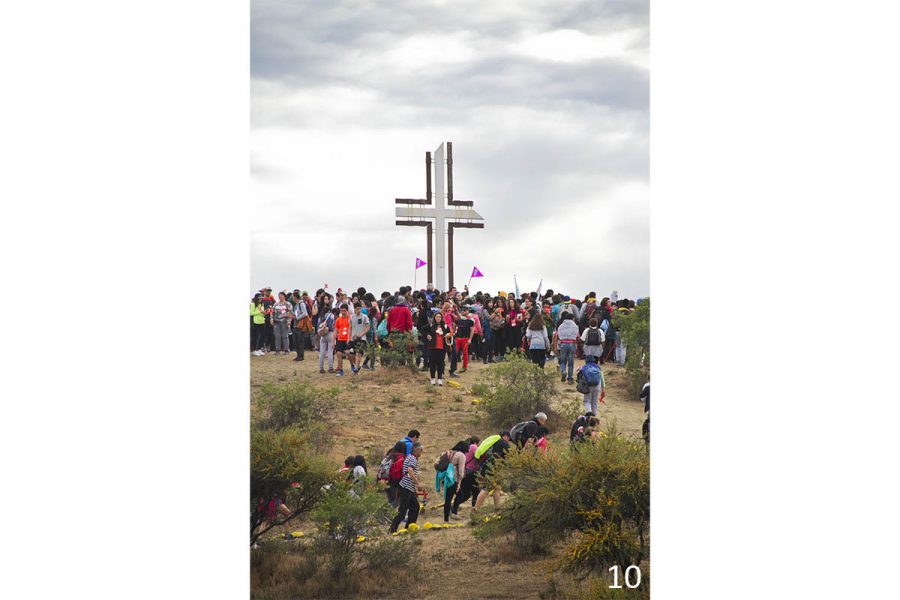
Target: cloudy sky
x=547 y=106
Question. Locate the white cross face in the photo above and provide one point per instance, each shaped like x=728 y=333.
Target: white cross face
x=439 y=211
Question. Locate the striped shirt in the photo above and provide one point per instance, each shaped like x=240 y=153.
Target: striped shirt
x=406 y=482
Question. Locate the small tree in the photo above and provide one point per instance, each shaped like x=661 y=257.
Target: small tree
x=598 y=490
x=634 y=331
x=516 y=389
x=402 y=351
x=344 y=517
x=283 y=464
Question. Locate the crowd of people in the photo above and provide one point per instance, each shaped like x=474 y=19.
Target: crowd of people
x=446 y=327
x=461 y=471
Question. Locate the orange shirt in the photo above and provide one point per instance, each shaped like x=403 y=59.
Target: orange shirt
x=342 y=329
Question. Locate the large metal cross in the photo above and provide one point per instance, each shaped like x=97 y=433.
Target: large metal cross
x=456 y=213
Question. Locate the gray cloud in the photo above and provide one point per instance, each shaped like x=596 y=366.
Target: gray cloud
x=552 y=149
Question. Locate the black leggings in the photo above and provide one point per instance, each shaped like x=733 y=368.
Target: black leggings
x=467 y=489
x=499 y=341
x=436 y=362
x=448 y=500
x=538 y=356
x=409 y=501
x=259 y=333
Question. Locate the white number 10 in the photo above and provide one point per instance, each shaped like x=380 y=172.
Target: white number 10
x=615 y=571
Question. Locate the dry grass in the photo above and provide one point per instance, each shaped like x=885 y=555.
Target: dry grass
x=375 y=409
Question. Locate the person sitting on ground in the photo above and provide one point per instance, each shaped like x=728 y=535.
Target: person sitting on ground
x=409 y=489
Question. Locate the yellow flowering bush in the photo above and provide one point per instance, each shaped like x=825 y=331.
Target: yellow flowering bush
x=598 y=490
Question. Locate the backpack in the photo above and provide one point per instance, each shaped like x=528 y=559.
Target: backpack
x=396 y=472
x=593 y=337
x=441 y=463
x=581 y=385
x=517 y=430
x=384 y=469
x=382 y=329
x=326 y=324
x=591 y=373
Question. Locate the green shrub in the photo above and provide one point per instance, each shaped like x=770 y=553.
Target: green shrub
x=595 y=497
x=387 y=555
x=298 y=404
x=634 y=331
x=516 y=389
x=343 y=517
x=402 y=351
x=283 y=464
x=381 y=568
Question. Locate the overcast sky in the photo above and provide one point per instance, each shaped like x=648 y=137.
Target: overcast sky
x=547 y=106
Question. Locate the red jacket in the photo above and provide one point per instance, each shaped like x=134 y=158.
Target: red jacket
x=399 y=318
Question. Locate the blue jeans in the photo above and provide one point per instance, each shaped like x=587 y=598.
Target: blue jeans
x=567 y=357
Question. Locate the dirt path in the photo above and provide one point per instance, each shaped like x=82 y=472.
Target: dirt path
x=375 y=409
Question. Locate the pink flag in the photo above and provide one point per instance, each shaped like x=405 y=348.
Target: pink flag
x=420 y=263
x=476 y=272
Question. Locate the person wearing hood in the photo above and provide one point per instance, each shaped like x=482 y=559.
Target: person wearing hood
x=564 y=340
x=400 y=318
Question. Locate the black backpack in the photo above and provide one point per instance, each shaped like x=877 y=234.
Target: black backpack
x=516 y=432
x=593 y=337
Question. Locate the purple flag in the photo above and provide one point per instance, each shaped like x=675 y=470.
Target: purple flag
x=476 y=272
x=420 y=263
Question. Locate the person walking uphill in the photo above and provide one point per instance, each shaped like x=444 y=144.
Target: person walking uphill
x=590 y=383
x=409 y=487
x=593 y=338
x=538 y=342
x=565 y=336
x=449 y=470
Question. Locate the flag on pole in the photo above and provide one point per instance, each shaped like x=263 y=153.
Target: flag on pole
x=540 y=285
x=517 y=286
x=420 y=263
x=476 y=272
